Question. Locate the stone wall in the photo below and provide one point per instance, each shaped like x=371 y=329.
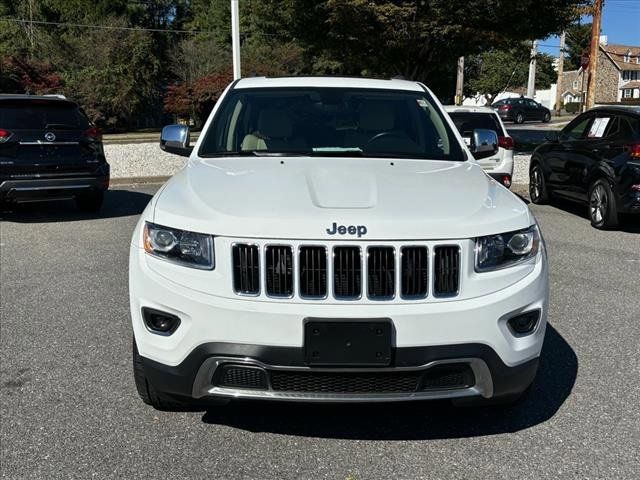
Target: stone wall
x=607 y=79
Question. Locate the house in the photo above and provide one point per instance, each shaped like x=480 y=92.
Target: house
x=618 y=76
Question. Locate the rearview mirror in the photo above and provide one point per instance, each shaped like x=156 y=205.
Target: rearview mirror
x=175 y=139
x=484 y=143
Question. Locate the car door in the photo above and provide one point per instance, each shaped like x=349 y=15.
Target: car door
x=558 y=155
x=587 y=154
x=533 y=110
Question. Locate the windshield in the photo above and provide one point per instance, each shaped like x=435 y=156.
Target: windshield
x=330 y=121
x=467 y=122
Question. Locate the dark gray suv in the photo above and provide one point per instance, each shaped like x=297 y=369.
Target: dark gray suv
x=50 y=150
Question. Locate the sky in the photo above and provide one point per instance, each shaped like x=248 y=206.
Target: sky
x=620 y=22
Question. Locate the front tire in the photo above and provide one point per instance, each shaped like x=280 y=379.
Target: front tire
x=90 y=202
x=603 y=211
x=546 y=118
x=147 y=392
x=538 y=191
x=519 y=118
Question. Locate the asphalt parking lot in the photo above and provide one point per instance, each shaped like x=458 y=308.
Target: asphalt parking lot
x=69 y=408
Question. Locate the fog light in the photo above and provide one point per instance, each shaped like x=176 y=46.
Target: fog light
x=160 y=322
x=525 y=323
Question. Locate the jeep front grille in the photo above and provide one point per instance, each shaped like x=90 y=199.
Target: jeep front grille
x=381 y=271
x=347 y=272
x=447 y=270
x=415 y=272
x=279 y=267
x=313 y=272
x=246 y=269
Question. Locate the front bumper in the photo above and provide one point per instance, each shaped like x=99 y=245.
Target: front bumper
x=269 y=335
x=196 y=376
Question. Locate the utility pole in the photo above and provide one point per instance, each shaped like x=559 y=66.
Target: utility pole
x=531 y=85
x=560 y=70
x=235 y=39
x=593 y=53
x=460 y=81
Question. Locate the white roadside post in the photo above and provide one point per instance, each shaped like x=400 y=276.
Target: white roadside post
x=235 y=38
x=531 y=85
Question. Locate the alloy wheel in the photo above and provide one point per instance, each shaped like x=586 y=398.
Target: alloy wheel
x=598 y=204
x=535 y=185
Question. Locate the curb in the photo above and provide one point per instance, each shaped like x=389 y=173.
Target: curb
x=138 y=180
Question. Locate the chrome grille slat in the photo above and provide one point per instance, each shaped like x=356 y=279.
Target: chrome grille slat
x=313 y=272
x=415 y=272
x=347 y=275
x=279 y=271
x=447 y=270
x=246 y=270
x=381 y=272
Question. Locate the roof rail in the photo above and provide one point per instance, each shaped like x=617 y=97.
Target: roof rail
x=55 y=95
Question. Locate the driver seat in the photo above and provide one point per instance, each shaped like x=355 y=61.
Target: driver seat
x=373 y=118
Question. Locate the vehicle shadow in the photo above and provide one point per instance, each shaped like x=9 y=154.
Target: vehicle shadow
x=117 y=203
x=628 y=223
x=413 y=420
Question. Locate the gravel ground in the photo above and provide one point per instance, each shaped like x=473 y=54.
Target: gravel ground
x=139 y=160
x=69 y=408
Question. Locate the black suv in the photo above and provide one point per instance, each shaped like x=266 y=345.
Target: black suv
x=50 y=150
x=520 y=110
x=596 y=160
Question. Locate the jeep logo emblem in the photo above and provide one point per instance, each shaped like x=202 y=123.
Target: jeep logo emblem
x=359 y=230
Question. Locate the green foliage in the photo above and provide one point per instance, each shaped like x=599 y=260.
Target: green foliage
x=572 y=107
x=121 y=76
x=578 y=40
x=498 y=70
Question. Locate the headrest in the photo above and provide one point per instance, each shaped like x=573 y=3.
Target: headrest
x=274 y=124
x=376 y=116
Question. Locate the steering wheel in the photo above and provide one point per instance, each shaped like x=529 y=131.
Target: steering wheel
x=380 y=135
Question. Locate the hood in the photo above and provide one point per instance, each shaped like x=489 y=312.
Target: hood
x=311 y=198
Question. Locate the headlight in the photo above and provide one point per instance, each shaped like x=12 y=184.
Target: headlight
x=504 y=250
x=179 y=246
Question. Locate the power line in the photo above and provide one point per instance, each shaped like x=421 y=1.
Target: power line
x=101 y=27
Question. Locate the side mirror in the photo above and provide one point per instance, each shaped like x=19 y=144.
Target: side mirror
x=484 y=143
x=175 y=139
x=552 y=136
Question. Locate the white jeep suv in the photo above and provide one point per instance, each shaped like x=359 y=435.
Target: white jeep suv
x=333 y=239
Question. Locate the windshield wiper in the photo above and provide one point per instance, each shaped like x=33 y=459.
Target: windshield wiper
x=257 y=153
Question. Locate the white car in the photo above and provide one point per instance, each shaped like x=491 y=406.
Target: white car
x=498 y=165
x=333 y=239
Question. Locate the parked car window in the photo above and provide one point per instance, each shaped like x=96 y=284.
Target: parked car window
x=599 y=126
x=41 y=114
x=532 y=104
x=467 y=122
x=629 y=127
x=577 y=131
x=322 y=121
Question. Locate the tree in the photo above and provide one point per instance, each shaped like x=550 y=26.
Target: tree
x=495 y=71
x=578 y=40
x=419 y=40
